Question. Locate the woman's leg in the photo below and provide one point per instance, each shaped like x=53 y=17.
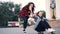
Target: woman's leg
x=48 y=28
x=25 y=23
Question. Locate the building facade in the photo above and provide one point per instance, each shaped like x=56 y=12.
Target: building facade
x=41 y=5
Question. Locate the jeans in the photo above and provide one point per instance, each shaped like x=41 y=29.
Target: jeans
x=25 y=18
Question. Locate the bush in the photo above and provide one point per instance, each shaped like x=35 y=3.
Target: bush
x=6 y=12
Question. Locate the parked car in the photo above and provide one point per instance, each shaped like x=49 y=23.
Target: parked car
x=13 y=23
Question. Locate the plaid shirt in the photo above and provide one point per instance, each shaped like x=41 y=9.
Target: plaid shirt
x=23 y=12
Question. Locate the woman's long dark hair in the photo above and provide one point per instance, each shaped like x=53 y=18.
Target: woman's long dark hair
x=27 y=6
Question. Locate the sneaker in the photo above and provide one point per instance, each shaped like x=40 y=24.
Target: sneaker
x=50 y=30
x=24 y=31
x=53 y=30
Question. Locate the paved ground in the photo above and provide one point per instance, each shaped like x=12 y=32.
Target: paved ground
x=55 y=23
x=30 y=30
x=16 y=30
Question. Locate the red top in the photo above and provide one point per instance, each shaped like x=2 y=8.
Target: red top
x=24 y=11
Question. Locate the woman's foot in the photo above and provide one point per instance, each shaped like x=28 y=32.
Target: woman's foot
x=24 y=31
x=50 y=30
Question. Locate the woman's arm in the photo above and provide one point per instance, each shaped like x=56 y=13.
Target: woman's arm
x=35 y=17
x=37 y=21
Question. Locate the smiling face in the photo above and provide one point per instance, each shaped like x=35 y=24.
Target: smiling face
x=40 y=14
x=31 y=6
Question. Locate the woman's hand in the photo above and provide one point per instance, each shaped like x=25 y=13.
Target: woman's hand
x=31 y=15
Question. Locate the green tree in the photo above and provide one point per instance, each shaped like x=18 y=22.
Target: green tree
x=6 y=12
x=16 y=12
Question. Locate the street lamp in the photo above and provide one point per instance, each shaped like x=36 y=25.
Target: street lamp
x=53 y=6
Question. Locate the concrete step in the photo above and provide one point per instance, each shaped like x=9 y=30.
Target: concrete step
x=54 y=23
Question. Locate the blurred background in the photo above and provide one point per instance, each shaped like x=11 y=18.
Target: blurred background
x=9 y=10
